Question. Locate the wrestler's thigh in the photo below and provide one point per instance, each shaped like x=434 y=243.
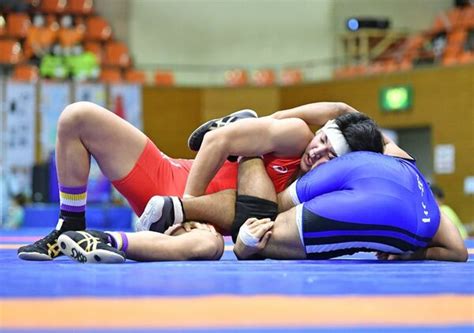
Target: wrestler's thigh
x=114 y=142
x=285 y=242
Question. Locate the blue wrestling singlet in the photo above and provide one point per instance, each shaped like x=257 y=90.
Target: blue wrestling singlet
x=364 y=201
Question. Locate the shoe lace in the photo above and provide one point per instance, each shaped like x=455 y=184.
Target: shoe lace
x=48 y=239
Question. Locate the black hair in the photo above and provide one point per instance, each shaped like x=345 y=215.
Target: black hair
x=437 y=191
x=360 y=132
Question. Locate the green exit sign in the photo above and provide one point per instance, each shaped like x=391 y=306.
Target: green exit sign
x=398 y=98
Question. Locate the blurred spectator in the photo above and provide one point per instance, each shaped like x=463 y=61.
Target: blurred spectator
x=438 y=44
x=439 y=195
x=52 y=65
x=16 y=212
x=82 y=65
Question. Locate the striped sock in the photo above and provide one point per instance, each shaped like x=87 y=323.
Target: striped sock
x=72 y=202
x=119 y=240
x=72 y=199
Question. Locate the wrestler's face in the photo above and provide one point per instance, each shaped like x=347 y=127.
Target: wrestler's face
x=318 y=151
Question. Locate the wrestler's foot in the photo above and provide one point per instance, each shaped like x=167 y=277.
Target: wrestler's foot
x=196 y=137
x=47 y=247
x=89 y=247
x=44 y=249
x=160 y=213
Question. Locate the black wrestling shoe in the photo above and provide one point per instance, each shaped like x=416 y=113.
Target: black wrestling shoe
x=160 y=213
x=196 y=137
x=89 y=247
x=44 y=249
x=47 y=247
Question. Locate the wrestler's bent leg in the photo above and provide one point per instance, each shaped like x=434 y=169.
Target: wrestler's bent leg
x=85 y=129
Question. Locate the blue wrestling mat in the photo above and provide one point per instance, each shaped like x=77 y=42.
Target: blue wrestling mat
x=354 y=293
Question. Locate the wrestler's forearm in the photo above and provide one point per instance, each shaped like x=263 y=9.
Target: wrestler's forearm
x=208 y=161
x=435 y=253
x=193 y=245
x=446 y=254
x=315 y=113
x=248 y=137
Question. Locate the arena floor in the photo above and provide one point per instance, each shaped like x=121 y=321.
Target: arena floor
x=356 y=294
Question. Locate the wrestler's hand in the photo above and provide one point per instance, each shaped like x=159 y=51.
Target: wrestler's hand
x=172 y=229
x=253 y=237
x=388 y=256
x=188 y=226
x=382 y=255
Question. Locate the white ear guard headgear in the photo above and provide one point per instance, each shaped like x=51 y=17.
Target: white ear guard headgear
x=335 y=137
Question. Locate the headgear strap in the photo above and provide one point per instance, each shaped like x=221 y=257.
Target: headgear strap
x=335 y=137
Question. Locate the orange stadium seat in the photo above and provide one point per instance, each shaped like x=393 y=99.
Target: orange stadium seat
x=97 y=29
x=18 y=25
x=376 y=68
x=70 y=37
x=454 y=46
x=135 y=76
x=466 y=58
x=291 y=76
x=25 y=73
x=110 y=75
x=406 y=64
x=411 y=48
x=38 y=40
x=164 y=78
x=390 y=66
x=342 y=72
x=52 y=22
x=53 y=6
x=96 y=48
x=450 y=59
x=263 y=77
x=10 y=52
x=236 y=77
x=116 y=54
x=467 y=17
x=356 y=70
x=80 y=7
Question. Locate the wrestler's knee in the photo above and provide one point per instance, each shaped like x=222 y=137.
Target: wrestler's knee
x=75 y=115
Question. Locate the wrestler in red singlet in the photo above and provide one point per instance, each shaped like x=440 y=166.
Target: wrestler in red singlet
x=157 y=174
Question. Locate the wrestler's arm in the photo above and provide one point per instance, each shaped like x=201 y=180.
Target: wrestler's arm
x=392 y=149
x=447 y=245
x=315 y=113
x=247 y=137
x=319 y=113
x=196 y=244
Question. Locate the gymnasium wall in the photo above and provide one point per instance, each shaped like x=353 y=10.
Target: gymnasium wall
x=229 y=32
x=212 y=35
x=170 y=115
x=443 y=100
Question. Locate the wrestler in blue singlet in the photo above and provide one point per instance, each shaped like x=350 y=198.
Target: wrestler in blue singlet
x=364 y=201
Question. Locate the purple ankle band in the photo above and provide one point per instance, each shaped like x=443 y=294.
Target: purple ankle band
x=73 y=190
x=124 y=241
